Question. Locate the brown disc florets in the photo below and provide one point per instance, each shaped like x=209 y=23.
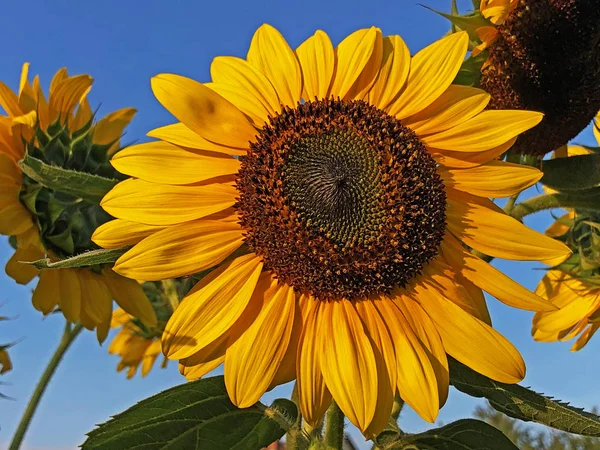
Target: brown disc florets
x=340 y=200
x=547 y=59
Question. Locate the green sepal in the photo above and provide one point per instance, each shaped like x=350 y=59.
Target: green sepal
x=470 y=70
x=476 y=4
x=464 y=434
x=87 y=259
x=64 y=240
x=573 y=173
x=197 y=415
x=79 y=184
x=521 y=403
x=468 y=22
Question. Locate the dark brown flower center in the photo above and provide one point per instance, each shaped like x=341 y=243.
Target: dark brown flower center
x=547 y=59
x=340 y=200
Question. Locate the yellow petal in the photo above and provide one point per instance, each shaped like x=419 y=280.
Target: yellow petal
x=261 y=347
x=119 y=233
x=287 y=368
x=485 y=131
x=463 y=160
x=245 y=102
x=495 y=179
x=442 y=58
x=209 y=312
x=83 y=115
x=422 y=325
x=5 y=362
x=385 y=358
x=27 y=100
x=69 y=295
x=203 y=110
x=9 y=169
x=96 y=298
x=23 y=273
x=161 y=162
x=45 y=296
x=313 y=396
x=368 y=76
x=42 y=104
x=130 y=296
x=561 y=225
x=471 y=341
x=14 y=219
x=317 y=60
x=110 y=128
x=181 y=250
x=67 y=95
x=441 y=277
x=416 y=377
x=395 y=66
x=9 y=101
x=353 y=55
x=157 y=204
x=181 y=135
x=270 y=53
x=199 y=370
x=455 y=106
x=596 y=126
x=491 y=279
x=348 y=362
x=577 y=306
x=585 y=337
x=483 y=226
x=239 y=73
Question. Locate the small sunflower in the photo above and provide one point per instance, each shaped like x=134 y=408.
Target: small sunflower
x=330 y=191
x=134 y=344
x=544 y=55
x=60 y=131
x=576 y=291
x=137 y=344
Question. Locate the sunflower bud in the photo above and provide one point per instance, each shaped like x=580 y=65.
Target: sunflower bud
x=66 y=222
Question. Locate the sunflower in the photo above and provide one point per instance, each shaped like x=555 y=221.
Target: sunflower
x=329 y=192
x=134 y=344
x=544 y=55
x=575 y=292
x=44 y=223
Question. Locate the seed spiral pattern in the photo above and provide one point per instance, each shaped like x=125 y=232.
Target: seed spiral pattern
x=340 y=200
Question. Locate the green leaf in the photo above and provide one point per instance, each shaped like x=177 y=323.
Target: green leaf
x=524 y=404
x=193 y=415
x=79 y=184
x=91 y=258
x=465 y=434
x=572 y=173
x=470 y=70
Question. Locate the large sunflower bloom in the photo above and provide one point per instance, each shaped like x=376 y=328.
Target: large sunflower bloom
x=544 y=55
x=40 y=220
x=577 y=294
x=344 y=179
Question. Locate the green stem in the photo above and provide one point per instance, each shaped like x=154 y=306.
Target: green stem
x=293 y=434
x=67 y=338
x=398 y=404
x=549 y=201
x=334 y=428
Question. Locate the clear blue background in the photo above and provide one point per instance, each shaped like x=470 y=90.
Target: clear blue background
x=122 y=44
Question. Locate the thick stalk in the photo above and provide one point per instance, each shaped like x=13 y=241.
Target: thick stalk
x=334 y=427
x=543 y=202
x=65 y=342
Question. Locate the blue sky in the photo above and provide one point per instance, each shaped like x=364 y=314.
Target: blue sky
x=122 y=44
